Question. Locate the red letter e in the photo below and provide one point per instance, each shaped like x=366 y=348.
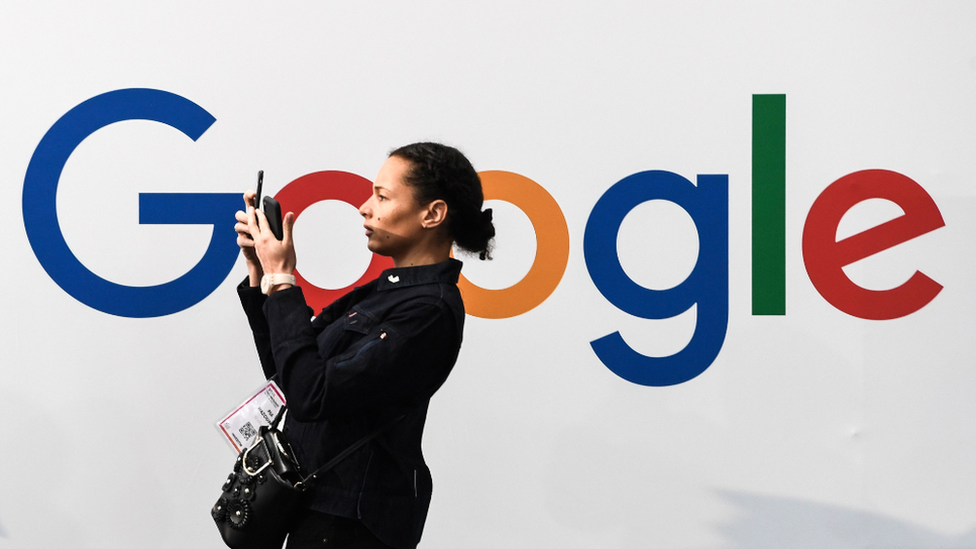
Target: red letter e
x=825 y=257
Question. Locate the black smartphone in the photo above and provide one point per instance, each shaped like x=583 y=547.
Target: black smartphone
x=272 y=211
x=257 y=197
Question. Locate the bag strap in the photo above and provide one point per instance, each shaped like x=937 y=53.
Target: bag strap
x=277 y=418
x=341 y=455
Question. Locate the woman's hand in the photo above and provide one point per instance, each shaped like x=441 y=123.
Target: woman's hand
x=273 y=255
x=246 y=243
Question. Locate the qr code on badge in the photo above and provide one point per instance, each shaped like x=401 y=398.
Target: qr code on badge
x=248 y=431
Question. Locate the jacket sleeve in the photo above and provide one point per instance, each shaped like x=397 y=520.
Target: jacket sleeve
x=396 y=364
x=253 y=302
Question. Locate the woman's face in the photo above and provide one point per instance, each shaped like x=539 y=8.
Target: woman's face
x=393 y=219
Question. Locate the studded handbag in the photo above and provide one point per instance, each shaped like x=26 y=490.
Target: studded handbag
x=265 y=489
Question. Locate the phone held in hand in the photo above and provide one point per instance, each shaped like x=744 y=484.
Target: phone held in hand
x=257 y=197
x=272 y=209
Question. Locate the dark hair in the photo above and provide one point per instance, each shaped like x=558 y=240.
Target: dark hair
x=442 y=172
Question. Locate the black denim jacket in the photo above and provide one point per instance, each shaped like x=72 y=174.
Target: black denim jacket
x=378 y=352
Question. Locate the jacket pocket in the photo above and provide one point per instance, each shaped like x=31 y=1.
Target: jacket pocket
x=344 y=334
x=354 y=354
x=357 y=322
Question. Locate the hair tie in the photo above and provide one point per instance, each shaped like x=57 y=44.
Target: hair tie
x=486 y=214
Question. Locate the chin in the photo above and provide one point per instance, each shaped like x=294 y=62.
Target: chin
x=378 y=250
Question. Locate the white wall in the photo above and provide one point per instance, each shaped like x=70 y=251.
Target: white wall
x=813 y=429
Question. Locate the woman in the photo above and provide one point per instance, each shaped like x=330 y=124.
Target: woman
x=376 y=353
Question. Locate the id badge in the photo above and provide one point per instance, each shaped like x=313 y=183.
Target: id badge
x=240 y=427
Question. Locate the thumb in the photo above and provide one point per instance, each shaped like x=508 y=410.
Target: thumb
x=288 y=223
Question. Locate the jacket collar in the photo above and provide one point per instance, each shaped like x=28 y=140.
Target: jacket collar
x=403 y=277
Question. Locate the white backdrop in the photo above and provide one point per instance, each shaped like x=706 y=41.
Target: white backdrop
x=812 y=429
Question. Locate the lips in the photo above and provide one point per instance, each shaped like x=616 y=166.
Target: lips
x=369 y=230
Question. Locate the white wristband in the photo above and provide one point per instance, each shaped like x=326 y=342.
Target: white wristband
x=269 y=281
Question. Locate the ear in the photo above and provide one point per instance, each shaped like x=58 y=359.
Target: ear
x=435 y=214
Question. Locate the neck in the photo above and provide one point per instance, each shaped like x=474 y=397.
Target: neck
x=426 y=255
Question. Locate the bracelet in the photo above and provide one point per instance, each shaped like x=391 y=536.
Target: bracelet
x=269 y=281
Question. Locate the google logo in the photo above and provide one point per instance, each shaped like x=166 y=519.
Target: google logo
x=706 y=201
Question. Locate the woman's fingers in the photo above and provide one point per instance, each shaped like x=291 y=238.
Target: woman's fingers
x=261 y=221
x=241 y=225
x=244 y=241
x=252 y=222
x=289 y=223
x=242 y=230
x=245 y=228
x=254 y=236
x=250 y=197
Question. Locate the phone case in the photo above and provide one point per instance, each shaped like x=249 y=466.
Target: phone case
x=272 y=210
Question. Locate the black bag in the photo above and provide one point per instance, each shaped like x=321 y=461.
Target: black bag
x=262 y=492
x=265 y=490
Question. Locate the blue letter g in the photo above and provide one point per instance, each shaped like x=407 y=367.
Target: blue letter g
x=707 y=285
x=44 y=231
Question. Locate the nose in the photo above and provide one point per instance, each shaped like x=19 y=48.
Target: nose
x=364 y=210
